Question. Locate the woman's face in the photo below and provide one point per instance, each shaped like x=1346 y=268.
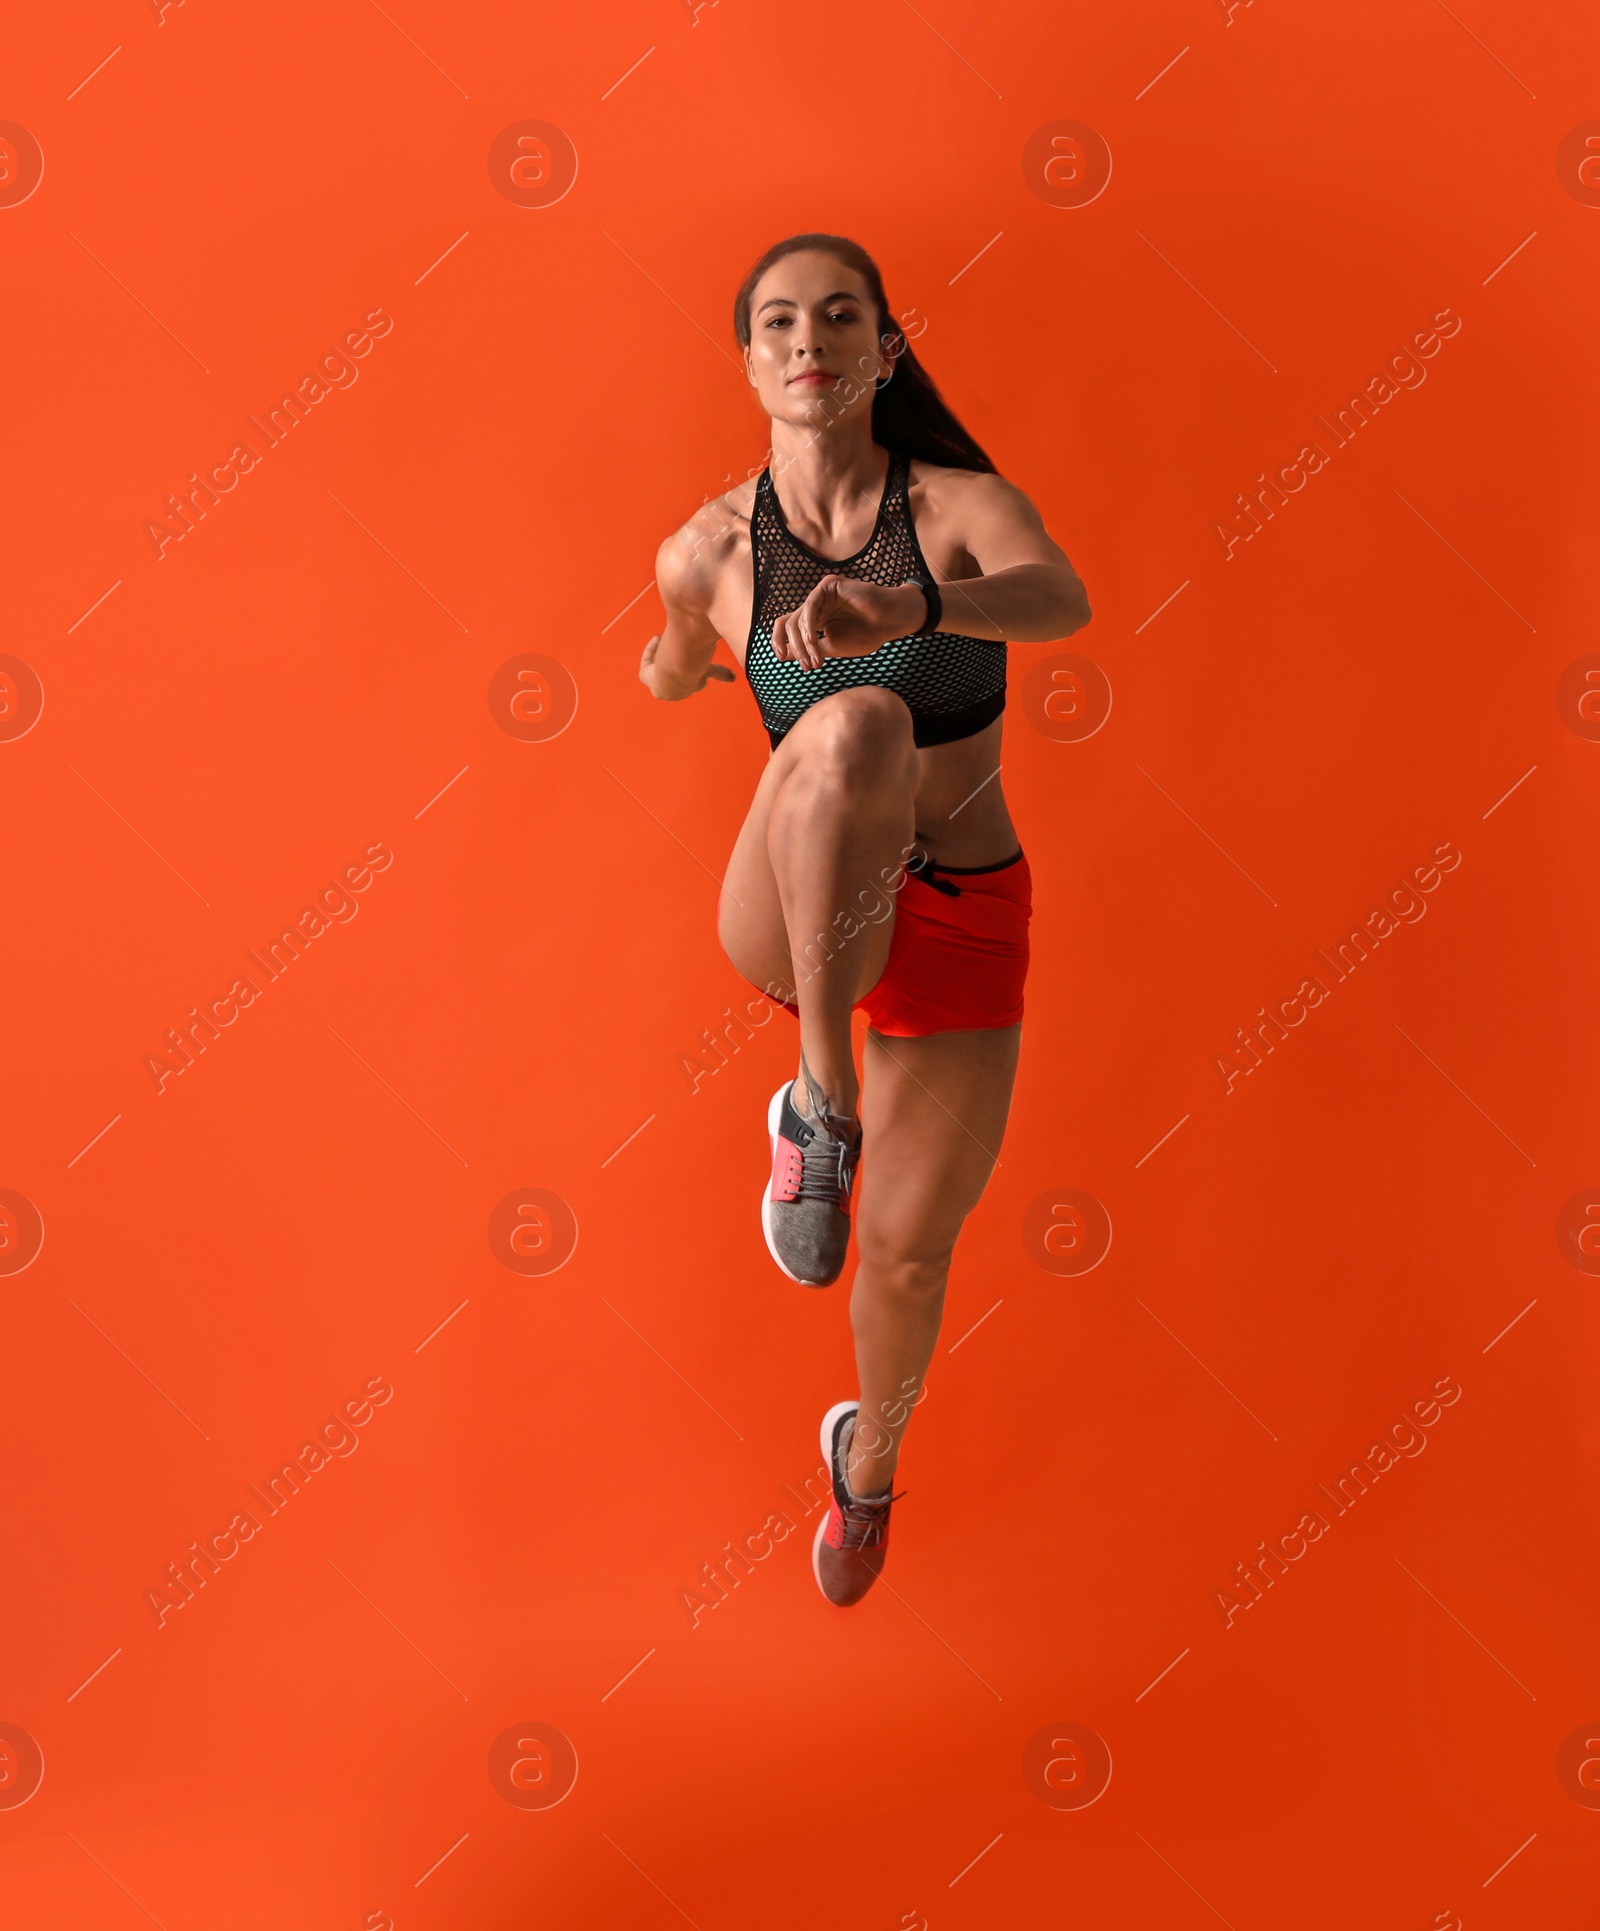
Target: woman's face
x=814 y=351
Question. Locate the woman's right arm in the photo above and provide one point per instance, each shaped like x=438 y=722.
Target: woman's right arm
x=677 y=661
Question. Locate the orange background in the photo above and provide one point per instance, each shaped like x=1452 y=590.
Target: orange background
x=297 y=1214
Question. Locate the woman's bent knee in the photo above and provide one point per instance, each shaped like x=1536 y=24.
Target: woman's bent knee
x=863 y=729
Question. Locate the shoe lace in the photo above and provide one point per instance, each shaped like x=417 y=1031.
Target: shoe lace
x=827 y=1168
x=866 y=1522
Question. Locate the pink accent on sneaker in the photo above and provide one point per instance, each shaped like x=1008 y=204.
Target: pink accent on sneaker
x=787 y=1167
x=805 y=1205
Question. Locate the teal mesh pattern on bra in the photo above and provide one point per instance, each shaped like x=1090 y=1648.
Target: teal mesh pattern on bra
x=952 y=685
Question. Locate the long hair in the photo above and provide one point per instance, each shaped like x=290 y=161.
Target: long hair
x=908 y=412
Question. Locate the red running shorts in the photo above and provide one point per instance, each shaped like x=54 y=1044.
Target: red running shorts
x=958 y=956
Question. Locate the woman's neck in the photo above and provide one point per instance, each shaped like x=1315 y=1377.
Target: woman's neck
x=821 y=476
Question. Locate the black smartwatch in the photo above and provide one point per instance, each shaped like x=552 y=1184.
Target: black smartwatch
x=930 y=590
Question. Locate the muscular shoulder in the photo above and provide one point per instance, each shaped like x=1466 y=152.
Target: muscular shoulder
x=979 y=516
x=695 y=559
x=967 y=494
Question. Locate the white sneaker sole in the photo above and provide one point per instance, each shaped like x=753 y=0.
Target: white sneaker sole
x=829 y=1422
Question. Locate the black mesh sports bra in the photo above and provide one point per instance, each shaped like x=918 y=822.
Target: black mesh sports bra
x=952 y=685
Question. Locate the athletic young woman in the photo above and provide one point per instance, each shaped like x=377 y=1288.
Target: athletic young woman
x=873 y=572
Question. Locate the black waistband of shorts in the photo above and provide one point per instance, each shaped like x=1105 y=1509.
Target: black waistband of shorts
x=974 y=871
x=940 y=878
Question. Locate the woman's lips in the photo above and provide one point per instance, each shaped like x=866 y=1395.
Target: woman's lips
x=817 y=376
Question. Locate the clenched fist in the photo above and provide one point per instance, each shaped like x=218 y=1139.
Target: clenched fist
x=660 y=683
x=844 y=617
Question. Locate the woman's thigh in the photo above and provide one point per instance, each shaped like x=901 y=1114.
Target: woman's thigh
x=751 y=921
x=933 y=1112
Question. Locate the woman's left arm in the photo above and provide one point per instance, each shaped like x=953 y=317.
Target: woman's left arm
x=1028 y=592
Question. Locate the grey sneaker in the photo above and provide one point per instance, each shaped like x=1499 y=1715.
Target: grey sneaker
x=852 y=1539
x=805 y=1211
